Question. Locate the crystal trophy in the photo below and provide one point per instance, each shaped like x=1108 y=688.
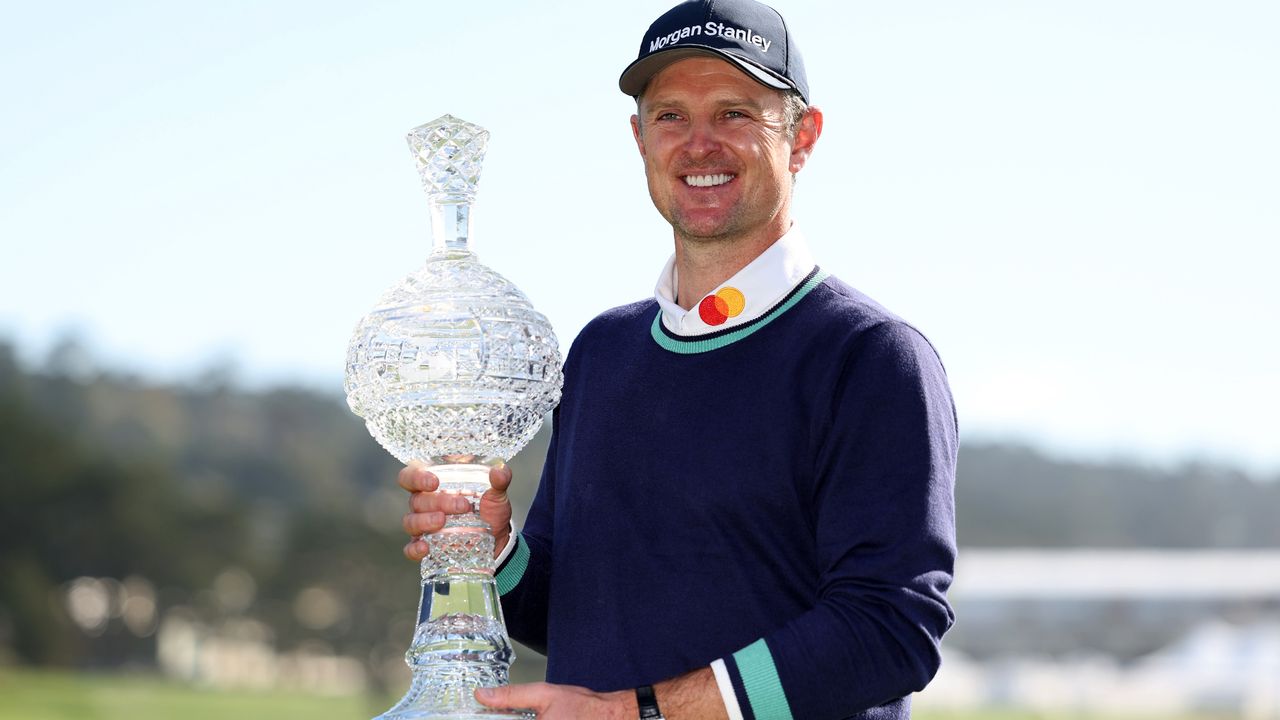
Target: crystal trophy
x=455 y=368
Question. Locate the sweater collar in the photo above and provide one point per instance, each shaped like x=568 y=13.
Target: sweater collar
x=750 y=293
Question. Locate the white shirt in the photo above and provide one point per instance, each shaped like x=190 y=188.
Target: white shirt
x=750 y=293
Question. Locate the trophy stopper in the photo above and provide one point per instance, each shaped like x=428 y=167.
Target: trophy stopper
x=448 y=153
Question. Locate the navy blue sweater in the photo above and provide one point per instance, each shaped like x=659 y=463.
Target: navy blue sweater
x=779 y=495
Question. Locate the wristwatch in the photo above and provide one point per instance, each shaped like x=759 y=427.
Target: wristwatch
x=648 y=703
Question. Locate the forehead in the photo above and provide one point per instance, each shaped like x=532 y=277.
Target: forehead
x=709 y=78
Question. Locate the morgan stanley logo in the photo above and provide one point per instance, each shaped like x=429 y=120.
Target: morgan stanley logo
x=711 y=29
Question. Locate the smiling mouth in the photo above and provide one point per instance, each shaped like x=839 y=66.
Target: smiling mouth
x=707 y=180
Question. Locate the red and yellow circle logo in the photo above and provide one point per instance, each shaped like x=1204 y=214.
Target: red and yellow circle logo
x=727 y=302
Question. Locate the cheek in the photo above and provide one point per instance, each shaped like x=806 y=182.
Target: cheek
x=651 y=171
x=658 y=164
x=653 y=179
x=784 y=164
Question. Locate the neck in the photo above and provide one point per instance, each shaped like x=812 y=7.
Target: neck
x=704 y=264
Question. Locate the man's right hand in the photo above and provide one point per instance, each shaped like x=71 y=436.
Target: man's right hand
x=428 y=507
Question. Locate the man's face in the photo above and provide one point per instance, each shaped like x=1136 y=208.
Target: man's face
x=716 y=151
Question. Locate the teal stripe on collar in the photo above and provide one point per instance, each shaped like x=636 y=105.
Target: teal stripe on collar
x=694 y=346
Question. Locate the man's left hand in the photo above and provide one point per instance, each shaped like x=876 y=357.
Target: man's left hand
x=561 y=702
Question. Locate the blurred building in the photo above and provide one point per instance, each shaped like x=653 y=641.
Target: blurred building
x=239 y=654
x=1151 y=631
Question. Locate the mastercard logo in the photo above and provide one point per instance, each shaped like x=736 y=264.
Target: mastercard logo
x=727 y=302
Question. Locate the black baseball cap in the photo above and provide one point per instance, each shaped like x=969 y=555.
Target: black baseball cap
x=749 y=34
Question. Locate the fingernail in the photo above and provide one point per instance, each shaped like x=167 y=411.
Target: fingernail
x=485 y=693
x=462 y=505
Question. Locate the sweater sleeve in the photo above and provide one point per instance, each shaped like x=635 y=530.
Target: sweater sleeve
x=524 y=577
x=884 y=524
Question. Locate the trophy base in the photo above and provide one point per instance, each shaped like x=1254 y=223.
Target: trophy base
x=436 y=715
x=461 y=715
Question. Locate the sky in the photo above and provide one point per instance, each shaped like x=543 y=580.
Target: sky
x=1076 y=201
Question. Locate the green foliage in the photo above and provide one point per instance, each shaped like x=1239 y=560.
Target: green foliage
x=67 y=510
x=106 y=476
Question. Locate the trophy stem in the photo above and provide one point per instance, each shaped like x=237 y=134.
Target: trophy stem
x=460 y=642
x=450 y=227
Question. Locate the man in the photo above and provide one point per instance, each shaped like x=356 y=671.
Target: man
x=746 y=509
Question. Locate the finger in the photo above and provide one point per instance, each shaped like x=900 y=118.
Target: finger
x=439 y=502
x=416 y=550
x=423 y=523
x=415 y=477
x=529 y=696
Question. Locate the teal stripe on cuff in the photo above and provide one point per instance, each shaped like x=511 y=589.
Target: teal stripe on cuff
x=513 y=570
x=760 y=678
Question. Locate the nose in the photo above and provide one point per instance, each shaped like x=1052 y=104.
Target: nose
x=702 y=140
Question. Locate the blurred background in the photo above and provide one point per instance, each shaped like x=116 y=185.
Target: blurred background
x=1076 y=201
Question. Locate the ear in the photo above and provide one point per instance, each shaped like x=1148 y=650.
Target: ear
x=635 y=131
x=806 y=137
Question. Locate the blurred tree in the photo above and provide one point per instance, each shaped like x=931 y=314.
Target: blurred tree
x=1015 y=496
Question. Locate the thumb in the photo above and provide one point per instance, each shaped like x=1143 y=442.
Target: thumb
x=495 y=506
x=508 y=696
x=499 y=481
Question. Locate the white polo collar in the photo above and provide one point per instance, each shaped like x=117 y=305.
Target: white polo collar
x=750 y=293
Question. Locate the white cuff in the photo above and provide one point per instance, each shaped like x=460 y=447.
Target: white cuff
x=727 y=694
x=511 y=545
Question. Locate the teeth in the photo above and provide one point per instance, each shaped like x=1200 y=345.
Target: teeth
x=707 y=180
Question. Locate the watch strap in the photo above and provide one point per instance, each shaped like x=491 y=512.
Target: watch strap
x=648 y=703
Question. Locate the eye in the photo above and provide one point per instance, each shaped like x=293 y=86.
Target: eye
x=734 y=114
x=666 y=116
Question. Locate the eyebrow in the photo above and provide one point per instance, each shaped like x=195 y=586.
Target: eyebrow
x=650 y=106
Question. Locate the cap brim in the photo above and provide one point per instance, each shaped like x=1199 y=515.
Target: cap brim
x=639 y=73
